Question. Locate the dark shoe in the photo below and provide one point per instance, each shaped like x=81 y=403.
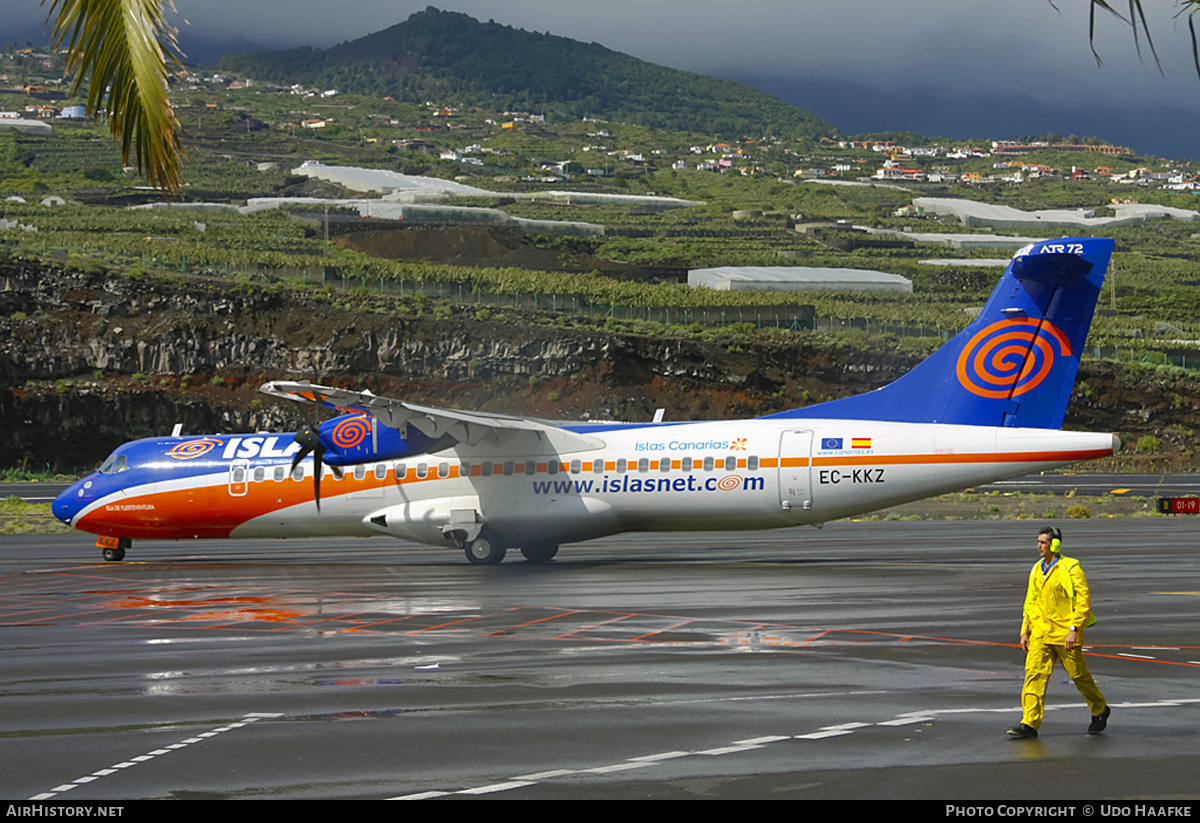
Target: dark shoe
x=1100 y=721
x=1023 y=732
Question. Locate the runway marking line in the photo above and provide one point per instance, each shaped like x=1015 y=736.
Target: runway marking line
x=463 y=621
x=674 y=627
x=739 y=746
x=558 y=616
x=595 y=625
x=252 y=717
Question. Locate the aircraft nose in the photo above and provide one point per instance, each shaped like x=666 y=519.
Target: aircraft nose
x=63 y=507
x=68 y=504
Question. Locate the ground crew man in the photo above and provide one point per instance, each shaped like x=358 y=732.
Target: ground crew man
x=1057 y=608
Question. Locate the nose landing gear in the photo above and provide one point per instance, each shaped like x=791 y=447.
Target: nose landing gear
x=113 y=548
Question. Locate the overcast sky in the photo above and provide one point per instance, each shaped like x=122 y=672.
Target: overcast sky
x=952 y=68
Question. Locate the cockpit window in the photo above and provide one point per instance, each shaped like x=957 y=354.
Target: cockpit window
x=115 y=463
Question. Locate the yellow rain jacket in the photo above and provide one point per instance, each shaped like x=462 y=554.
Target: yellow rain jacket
x=1057 y=601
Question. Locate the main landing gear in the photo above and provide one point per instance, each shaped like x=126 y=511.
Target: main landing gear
x=539 y=552
x=484 y=551
x=487 y=550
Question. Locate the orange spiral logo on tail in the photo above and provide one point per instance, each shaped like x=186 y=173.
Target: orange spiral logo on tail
x=1010 y=357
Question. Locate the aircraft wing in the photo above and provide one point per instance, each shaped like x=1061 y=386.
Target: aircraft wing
x=468 y=428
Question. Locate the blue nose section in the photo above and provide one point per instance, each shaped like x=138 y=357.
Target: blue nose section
x=71 y=502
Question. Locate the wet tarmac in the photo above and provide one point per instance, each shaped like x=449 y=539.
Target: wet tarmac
x=866 y=660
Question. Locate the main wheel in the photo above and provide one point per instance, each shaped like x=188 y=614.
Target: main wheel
x=114 y=554
x=483 y=551
x=539 y=552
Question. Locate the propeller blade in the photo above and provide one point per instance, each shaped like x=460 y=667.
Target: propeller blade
x=310 y=443
x=318 y=470
x=300 y=455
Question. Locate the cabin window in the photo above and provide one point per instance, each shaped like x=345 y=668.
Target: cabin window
x=260 y=474
x=752 y=462
x=487 y=468
x=664 y=465
x=380 y=471
x=644 y=464
x=686 y=465
x=552 y=467
x=708 y=463
x=443 y=470
x=730 y=463
x=597 y=466
x=298 y=473
x=508 y=468
x=401 y=471
x=279 y=473
x=422 y=470
x=622 y=465
x=360 y=471
x=576 y=467
x=238 y=475
x=464 y=469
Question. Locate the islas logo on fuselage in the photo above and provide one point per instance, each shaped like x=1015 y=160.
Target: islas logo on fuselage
x=345 y=441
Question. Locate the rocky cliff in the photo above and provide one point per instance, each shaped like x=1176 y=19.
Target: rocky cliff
x=89 y=359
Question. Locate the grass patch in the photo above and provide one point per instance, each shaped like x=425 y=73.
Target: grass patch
x=19 y=517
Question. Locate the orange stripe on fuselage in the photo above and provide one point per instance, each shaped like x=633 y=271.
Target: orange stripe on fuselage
x=979 y=457
x=210 y=511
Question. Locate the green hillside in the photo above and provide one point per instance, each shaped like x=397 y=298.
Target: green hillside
x=436 y=55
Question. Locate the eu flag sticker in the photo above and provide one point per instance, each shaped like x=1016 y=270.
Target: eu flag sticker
x=831 y=443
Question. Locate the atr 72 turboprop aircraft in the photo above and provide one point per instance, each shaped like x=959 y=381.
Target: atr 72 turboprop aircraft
x=983 y=407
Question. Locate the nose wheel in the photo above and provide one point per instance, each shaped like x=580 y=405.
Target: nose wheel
x=113 y=548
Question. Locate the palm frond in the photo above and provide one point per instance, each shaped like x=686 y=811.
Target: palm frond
x=1137 y=22
x=1195 y=6
x=120 y=48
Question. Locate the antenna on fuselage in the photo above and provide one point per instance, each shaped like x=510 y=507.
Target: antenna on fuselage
x=658 y=415
x=178 y=430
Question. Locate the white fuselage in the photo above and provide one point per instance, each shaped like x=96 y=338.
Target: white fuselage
x=746 y=474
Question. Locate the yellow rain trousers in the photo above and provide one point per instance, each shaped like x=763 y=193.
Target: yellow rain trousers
x=1053 y=603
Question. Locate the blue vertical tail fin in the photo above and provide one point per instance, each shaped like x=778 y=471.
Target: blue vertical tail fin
x=1015 y=365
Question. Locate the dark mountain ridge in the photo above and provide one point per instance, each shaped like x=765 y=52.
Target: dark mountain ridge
x=444 y=56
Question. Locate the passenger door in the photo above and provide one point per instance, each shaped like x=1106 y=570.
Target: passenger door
x=795 y=470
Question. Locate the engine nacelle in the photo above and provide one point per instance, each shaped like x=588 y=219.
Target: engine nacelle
x=360 y=438
x=438 y=522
